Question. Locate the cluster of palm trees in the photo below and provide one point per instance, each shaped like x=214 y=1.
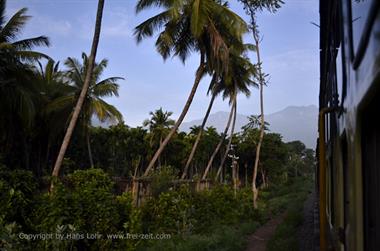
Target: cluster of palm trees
x=37 y=97
x=206 y=27
x=211 y=29
x=216 y=33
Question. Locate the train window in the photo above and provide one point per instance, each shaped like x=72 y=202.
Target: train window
x=359 y=13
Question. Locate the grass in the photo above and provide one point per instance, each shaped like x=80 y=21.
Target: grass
x=223 y=238
x=285 y=237
x=277 y=199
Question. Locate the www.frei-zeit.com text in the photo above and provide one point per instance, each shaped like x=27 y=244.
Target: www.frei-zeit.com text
x=93 y=236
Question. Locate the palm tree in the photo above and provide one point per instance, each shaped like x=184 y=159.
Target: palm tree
x=203 y=26
x=19 y=93
x=83 y=93
x=16 y=89
x=94 y=104
x=223 y=136
x=10 y=30
x=198 y=138
x=48 y=126
x=254 y=123
x=239 y=77
x=194 y=130
x=159 y=124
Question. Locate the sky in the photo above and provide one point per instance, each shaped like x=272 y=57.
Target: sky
x=289 y=48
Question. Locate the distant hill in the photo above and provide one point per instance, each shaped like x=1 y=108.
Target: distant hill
x=293 y=123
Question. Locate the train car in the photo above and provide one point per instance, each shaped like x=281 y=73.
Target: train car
x=349 y=125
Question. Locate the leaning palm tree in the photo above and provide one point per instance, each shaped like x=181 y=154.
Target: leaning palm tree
x=83 y=93
x=242 y=75
x=198 y=138
x=159 y=124
x=223 y=136
x=203 y=26
x=239 y=78
x=94 y=104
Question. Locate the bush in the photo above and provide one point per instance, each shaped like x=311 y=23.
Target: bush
x=162 y=180
x=130 y=217
x=85 y=205
x=17 y=189
x=171 y=212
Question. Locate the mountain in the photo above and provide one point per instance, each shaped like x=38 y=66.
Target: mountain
x=293 y=123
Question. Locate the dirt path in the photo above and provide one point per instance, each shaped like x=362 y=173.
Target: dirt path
x=258 y=240
x=308 y=239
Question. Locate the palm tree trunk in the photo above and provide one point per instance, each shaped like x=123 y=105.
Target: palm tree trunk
x=209 y=164
x=159 y=158
x=83 y=93
x=198 y=77
x=197 y=139
x=262 y=125
x=228 y=145
x=89 y=148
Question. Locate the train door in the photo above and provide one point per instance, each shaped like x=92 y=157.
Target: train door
x=346 y=201
x=371 y=175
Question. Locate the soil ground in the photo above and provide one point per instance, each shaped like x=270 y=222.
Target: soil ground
x=258 y=240
x=307 y=234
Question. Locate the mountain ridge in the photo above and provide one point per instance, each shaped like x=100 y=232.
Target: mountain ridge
x=292 y=122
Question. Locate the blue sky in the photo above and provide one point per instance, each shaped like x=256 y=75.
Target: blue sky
x=289 y=50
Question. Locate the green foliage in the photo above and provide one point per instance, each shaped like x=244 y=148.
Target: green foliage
x=130 y=217
x=17 y=188
x=208 y=220
x=161 y=180
x=222 y=238
x=9 y=239
x=291 y=200
x=86 y=203
x=171 y=212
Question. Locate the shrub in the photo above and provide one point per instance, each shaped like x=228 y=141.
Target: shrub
x=171 y=212
x=85 y=205
x=17 y=189
x=162 y=180
x=130 y=217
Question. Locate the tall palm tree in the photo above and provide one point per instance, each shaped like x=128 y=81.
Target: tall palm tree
x=18 y=93
x=198 y=138
x=204 y=26
x=159 y=124
x=219 y=145
x=82 y=96
x=48 y=126
x=94 y=104
x=239 y=78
